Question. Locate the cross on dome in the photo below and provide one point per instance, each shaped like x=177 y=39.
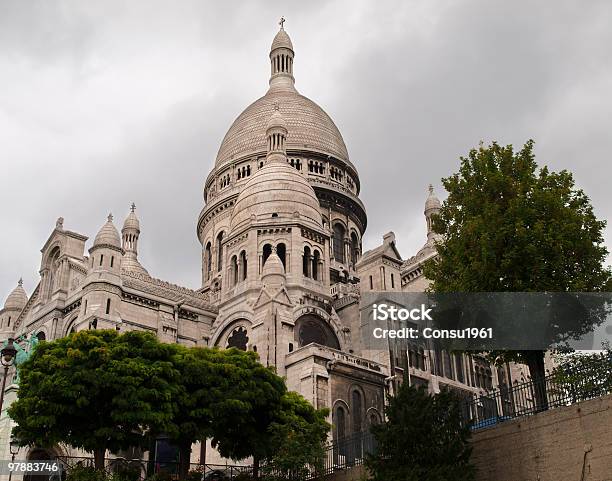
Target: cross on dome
x=133 y=207
x=282 y=23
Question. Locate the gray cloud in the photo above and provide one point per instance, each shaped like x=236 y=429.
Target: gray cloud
x=105 y=103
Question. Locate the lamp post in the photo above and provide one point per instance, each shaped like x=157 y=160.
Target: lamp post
x=14 y=448
x=7 y=359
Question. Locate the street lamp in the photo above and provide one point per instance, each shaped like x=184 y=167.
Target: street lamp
x=14 y=448
x=7 y=359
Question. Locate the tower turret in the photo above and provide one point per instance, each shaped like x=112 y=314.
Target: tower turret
x=432 y=207
x=14 y=304
x=129 y=237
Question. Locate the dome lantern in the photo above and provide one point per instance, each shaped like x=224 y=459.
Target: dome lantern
x=276 y=135
x=281 y=60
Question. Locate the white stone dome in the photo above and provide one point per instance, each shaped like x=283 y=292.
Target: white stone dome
x=18 y=298
x=276 y=190
x=108 y=235
x=310 y=128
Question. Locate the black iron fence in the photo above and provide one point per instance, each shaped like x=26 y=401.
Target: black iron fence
x=531 y=397
x=140 y=469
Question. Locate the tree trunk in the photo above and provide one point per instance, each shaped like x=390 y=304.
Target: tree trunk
x=535 y=361
x=184 y=459
x=99 y=458
x=255 y=467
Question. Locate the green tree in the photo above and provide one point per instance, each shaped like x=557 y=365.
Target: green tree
x=509 y=226
x=297 y=439
x=96 y=390
x=584 y=375
x=226 y=395
x=423 y=439
x=247 y=400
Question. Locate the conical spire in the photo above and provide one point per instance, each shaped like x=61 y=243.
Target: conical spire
x=273 y=272
x=281 y=60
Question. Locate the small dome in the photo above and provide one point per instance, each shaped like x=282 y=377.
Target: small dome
x=281 y=40
x=108 y=235
x=17 y=298
x=131 y=221
x=432 y=201
x=273 y=273
x=276 y=190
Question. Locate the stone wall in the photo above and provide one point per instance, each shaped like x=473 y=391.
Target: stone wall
x=572 y=443
x=563 y=444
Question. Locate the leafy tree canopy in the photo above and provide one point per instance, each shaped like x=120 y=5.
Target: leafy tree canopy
x=96 y=390
x=297 y=438
x=508 y=225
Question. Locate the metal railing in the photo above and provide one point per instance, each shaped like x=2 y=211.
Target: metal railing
x=142 y=469
x=532 y=397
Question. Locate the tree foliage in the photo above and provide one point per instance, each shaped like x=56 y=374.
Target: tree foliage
x=422 y=440
x=509 y=226
x=584 y=375
x=96 y=390
x=226 y=395
x=297 y=438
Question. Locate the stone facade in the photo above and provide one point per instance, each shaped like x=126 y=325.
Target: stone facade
x=282 y=267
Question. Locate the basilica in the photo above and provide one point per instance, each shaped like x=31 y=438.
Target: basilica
x=283 y=270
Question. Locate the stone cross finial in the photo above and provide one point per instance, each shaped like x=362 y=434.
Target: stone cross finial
x=133 y=207
x=282 y=22
x=59 y=223
x=430 y=189
x=110 y=217
x=20 y=282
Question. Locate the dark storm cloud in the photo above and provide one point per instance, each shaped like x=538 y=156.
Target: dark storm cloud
x=105 y=103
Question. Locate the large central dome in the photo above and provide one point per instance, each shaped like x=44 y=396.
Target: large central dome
x=310 y=128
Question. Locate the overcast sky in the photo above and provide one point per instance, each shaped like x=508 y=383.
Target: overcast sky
x=104 y=102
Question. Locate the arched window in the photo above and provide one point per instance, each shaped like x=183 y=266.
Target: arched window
x=356 y=409
x=219 y=251
x=339 y=243
x=208 y=260
x=306 y=262
x=243 y=265
x=41 y=336
x=312 y=329
x=234 y=270
x=281 y=252
x=315 y=265
x=267 y=250
x=354 y=249
x=340 y=422
x=108 y=301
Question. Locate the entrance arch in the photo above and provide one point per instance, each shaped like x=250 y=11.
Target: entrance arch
x=310 y=328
